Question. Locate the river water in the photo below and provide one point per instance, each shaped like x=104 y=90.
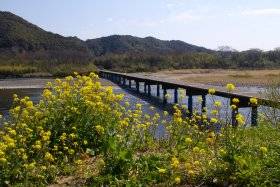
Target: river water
x=34 y=92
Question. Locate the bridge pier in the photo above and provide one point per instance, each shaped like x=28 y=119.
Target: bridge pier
x=129 y=83
x=234 y=113
x=164 y=95
x=145 y=87
x=158 y=90
x=203 y=104
x=119 y=79
x=254 y=116
x=190 y=105
x=122 y=81
x=245 y=103
x=176 y=95
x=137 y=87
x=149 y=90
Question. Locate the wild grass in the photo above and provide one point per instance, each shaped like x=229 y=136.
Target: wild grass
x=16 y=70
x=43 y=69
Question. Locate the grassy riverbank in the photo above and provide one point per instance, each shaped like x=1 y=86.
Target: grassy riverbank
x=40 y=69
x=80 y=134
x=221 y=77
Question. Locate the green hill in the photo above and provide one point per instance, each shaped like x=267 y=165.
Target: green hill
x=18 y=36
x=126 y=44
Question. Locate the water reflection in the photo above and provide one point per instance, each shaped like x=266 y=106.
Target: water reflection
x=6 y=97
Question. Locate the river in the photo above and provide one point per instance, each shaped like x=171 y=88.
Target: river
x=34 y=87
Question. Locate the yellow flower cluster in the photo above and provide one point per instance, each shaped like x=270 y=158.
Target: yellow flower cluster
x=58 y=129
x=253 y=101
x=230 y=87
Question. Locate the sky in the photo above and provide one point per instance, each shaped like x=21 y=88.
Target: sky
x=241 y=24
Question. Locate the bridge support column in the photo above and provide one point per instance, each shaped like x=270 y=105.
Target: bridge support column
x=164 y=96
x=203 y=104
x=254 y=116
x=129 y=83
x=114 y=78
x=190 y=105
x=145 y=87
x=124 y=81
x=137 y=87
x=234 y=122
x=118 y=79
x=149 y=90
x=176 y=95
x=158 y=90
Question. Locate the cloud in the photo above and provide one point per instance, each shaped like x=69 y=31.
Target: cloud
x=181 y=17
x=109 y=19
x=261 y=12
x=170 y=5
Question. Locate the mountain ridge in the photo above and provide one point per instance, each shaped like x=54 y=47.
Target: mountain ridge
x=27 y=48
x=119 y=44
x=16 y=32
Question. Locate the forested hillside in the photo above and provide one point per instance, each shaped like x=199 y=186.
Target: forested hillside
x=26 y=49
x=117 y=44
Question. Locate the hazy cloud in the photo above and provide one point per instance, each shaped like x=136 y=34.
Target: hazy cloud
x=109 y=19
x=181 y=17
x=261 y=12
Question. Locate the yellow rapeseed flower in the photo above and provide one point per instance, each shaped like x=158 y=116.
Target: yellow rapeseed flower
x=222 y=152
x=196 y=163
x=177 y=180
x=71 y=151
x=254 y=101
x=210 y=141
x=161 y=170
x=233 y=107
x=3 y=160
x=263 y=150
x=211 y=91
x=214 y=120
x=191 y=172
x=175 y=162
x=196 y=149
x=230 y=87
x=188 y=166
x=100 y=130
x=218 y=103
x=29 y=104
x=199 y=98
x=240 y=119
x=49 y=157
x=47 y=93
x=235 y=100
x=188 y=141
x=214 y=112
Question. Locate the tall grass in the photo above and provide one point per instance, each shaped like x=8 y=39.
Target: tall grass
x=16 y=70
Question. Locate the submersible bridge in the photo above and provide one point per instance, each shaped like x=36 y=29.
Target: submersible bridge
x=133 y=82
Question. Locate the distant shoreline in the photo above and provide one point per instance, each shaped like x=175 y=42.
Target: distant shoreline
x=28 y=83
x=220 y=77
